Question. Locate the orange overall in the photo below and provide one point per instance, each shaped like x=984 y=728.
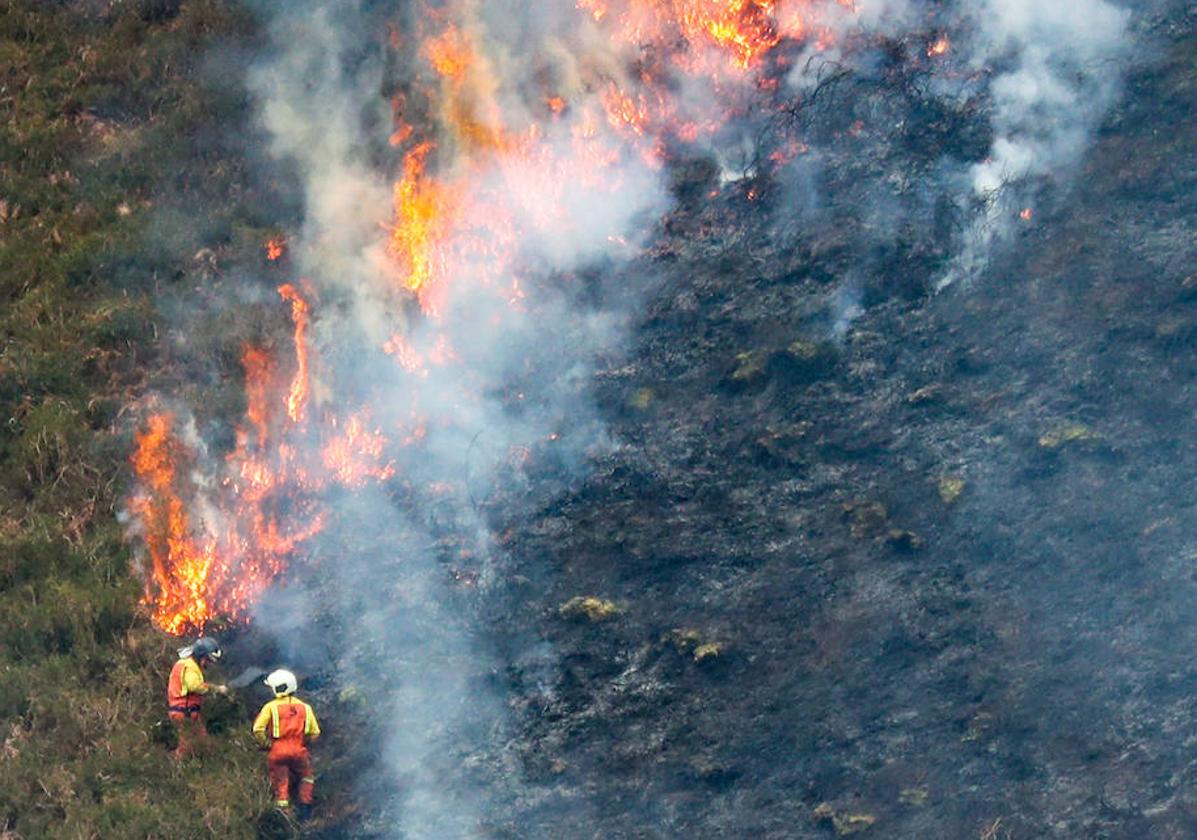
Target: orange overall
x=287 y=725
x=184 y=697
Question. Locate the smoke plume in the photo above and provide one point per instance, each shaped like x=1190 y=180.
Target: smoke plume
x=475 y=175
x=487 y=373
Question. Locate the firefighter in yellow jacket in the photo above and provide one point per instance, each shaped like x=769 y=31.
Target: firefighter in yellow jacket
x=286 y=725
x=186 y=690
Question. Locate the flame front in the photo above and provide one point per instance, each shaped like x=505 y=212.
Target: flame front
x=742 y=30
x=211 y=552
x=486 y=163
x=491 y=170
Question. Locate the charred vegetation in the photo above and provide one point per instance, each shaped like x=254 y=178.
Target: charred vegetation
x=865 y=553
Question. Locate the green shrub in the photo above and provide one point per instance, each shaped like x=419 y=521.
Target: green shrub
x=32 y=556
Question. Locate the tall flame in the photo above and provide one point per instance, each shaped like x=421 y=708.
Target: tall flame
x=211 y=552
x=180 y=564
x=297 y=397
x=424 y=209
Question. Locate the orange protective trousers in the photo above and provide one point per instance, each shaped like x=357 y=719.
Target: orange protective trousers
x=290 y=766
x=191 y=730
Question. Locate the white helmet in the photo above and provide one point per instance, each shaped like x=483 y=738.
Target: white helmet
x=282 y=683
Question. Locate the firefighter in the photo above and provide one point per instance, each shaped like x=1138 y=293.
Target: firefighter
x=286 y=725
x=186 y=690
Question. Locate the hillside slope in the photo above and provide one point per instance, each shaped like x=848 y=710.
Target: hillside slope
x=112 y=127
x=922 y=571
x=935 y=578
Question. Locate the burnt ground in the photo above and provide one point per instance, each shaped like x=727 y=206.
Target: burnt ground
x=933 y=579
x=1014 y=660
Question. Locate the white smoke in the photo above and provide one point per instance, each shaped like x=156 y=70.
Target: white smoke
x=311 y=108
x=1048 y=71
x=845 y=307
x=515 y=388
x=520 y=373
x=1061 y=70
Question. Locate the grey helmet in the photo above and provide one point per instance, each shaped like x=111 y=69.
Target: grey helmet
x=206 y=647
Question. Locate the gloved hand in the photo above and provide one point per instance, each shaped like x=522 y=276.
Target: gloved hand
x=222 y=690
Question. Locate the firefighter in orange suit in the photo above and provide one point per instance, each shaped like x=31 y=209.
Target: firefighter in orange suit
x=287 y=725
x=186 y=690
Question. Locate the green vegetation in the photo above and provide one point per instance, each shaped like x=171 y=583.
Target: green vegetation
x=693 y=642
x=641 y=399
x=1067 y=433
x=800 y=362
x=110 y=132
x=844 y=823
x=588 y=608
x=951 y=487
x=750 y=366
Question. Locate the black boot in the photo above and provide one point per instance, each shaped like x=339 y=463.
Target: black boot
x=303 y=812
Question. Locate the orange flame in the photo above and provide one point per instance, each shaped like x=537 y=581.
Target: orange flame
x=939 y=47
x=211 y=558
x=357 y=454
x=259 y=376
x=180 y=566
x=424 y=211
x=472 y=185
x=409 y=358
x=297 y=398
x=195 y=578
x=744 y=31
x=468 y=85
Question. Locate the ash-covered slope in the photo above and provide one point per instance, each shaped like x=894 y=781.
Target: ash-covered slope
x=933 y=578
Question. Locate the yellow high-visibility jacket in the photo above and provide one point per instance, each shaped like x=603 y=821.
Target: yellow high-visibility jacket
x=276 y=723
x=193 y=678
x=186 y=686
